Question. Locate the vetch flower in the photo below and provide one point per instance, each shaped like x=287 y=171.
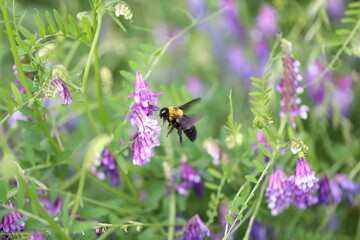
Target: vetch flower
x=143 y=96
x=58 y=87
x=213 y=148
x=52 y=208
x=106 y=166
x=195 y=229
x=302 y=184
x=335 y=9
x=233 y=20
x=343 y=95
x=277 y=192
x=258 y=231
x=289 y=86
x=194 y=85
x=36 y=236
x=329 y=191
x=349 y=188
x=122 y=9
x=146 y=137
x=298 y=147
x=12 y=222
x=266 y=20
x=316 y=91
x=190 y=179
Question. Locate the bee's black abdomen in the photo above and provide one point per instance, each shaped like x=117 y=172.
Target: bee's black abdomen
x=191 y=133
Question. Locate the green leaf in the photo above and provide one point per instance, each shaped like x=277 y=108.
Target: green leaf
x=256 y=85
x=29 y=149
x=257 y=94
x=148 y=48
x=255 y=112
x=116 y=20
x=94 y=213
x=215 y=173
x=135 y=66
x=256 y=79
x=20 y=197
x=122 y=164
x=50 y=20
x=348 y=20
x=73 y=28
x=23 y=45
x=28 y=68
x=234 y=209
x=256 y=103
x=211 y=185
x=95 y=148
x=259 y=165
x=291 y=133
x=15 y=91
x=86 y=26
x=229 y=219
x=80 y=227
x=342 y=31
x=354 y=4
x=251 y=178
x=264 y=150
x=127 y=75
x=27 y=34
x=40 y=25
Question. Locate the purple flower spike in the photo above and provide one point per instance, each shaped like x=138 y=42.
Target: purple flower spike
x=191 y=179
x=266 y=21
x=350 y=188
x=146 y=138
x=12 y=222
x=107 y=166
x=233 y=20
x=316 y=91
x=302 y=184
x=36 y=236
x=51 y=208
x=343 y=96
x=278 y=196
x=195 y=229
x=143 y=97
x=289 y=87
x=335 y=9
x=58 y=87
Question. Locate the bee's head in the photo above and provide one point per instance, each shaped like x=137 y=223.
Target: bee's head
x=164 y=113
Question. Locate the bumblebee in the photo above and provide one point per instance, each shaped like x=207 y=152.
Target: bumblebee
x=178 y=120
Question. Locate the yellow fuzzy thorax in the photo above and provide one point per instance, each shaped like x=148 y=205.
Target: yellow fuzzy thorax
x=175 y=113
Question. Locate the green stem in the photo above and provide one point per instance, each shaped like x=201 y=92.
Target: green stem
x=172 y=215
x=261 y=195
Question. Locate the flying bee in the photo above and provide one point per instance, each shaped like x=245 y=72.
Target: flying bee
x=178 y=120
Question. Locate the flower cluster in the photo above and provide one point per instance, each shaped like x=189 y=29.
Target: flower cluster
x=288 y=86
x=190 y=179
x=331 y=189
x=278 y=196
x=36 y=236
x=297 y=189
x=148 y=131
x=12 y=222
x=52 y=208
x=122 y=9
x=195 y=229
x=108 y=166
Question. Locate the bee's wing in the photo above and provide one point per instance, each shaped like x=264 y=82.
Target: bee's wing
x=187 y=105
x=187 y=121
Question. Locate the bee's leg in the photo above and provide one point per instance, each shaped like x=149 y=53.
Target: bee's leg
x=171 y=129
x=180 y=135
x=170 y=124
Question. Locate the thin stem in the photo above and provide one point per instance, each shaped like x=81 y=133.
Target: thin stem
x=70 y=55
x=172 y=215
x=261 y=195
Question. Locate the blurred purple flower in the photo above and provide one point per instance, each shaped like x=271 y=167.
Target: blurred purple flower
x=343 y=96
x=36 y=236
x=58 y=87
x=213 y=148
x=289 y=87
x=233 y=21
x=194 y=85
x=278 y=196
x=302 y=184
x=335 y=9
x=316 y=91
x=146 y=137
x=190 y=179
x=12 y=120
x=258 y=231
x=329 y=191
x=195 y=229
x=22 y=89
x=12 y=222
x=349 y=188
x=266 y=21
x=198 y=8
x=262 y=51
x=239 y=64
x=143 y=97
x=51 y=208
x=108 y=166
